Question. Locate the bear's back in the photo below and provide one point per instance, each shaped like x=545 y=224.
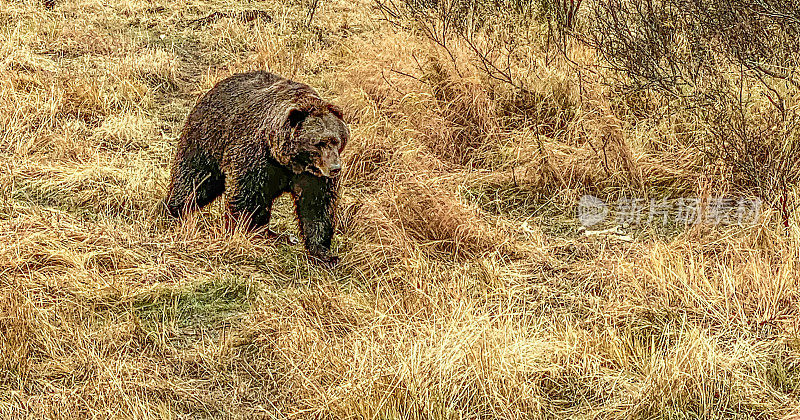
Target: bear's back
x=242 y=92
x=239 y=109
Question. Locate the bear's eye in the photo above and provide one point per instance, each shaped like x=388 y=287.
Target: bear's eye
x=320 y=144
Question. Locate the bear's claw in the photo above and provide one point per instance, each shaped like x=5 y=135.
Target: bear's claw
x=327 y=261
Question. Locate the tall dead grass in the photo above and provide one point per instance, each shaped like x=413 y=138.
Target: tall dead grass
x=465 y=289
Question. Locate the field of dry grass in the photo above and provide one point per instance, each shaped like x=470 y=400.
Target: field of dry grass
x=465 y=289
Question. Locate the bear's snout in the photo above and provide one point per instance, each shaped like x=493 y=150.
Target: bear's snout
x=329 y=163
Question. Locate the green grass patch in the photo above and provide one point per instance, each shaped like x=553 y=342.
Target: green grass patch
x=520 y=203
x=784 y=373
x=205 y=304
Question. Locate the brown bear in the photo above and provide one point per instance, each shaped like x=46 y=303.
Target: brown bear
x=256 y=136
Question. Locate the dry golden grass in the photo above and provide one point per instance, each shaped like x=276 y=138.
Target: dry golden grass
x=464 y=289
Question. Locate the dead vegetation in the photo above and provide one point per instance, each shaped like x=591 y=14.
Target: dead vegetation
x=465 y=289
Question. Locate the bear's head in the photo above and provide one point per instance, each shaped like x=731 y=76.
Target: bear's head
x=317 y=138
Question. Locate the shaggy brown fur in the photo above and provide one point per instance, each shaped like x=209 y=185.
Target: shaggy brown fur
x=256 y=136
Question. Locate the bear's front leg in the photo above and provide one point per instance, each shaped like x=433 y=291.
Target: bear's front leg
x=315 y=204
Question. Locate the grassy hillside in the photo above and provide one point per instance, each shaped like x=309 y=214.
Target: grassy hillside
x=466 y=288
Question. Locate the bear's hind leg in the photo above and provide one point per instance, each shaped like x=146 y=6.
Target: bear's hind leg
x=315 y=204
x=196 y=181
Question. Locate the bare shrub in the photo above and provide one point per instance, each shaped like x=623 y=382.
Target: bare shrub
x=759 y=150
x=482 y=26
x=686 y=47
x=499 y=37
x=702 y=57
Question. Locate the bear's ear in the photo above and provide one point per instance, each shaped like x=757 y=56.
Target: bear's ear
x=295 y=116
x=335 y=110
